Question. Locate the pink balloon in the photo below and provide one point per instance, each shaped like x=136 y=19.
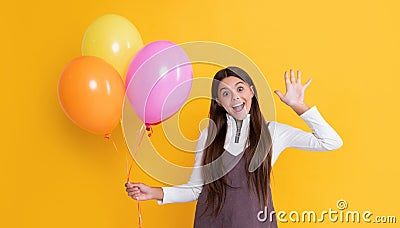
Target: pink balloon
x=158 y=81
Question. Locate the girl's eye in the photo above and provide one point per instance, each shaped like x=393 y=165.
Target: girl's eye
x=240 y=89
x=225 y=93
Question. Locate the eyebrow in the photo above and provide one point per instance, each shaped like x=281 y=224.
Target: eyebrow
x=235 y=86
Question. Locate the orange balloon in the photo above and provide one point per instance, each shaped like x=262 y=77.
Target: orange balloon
x=91 y=93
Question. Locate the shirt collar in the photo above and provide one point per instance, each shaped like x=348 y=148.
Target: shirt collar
x=229 y=117
x=236 y=148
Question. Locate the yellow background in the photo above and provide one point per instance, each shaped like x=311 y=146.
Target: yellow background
x=54 y=174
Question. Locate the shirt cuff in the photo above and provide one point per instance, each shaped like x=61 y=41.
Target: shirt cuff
x=163 y=201
x=309 y=112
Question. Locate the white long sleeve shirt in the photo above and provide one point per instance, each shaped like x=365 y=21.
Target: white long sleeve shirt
x=322 y=138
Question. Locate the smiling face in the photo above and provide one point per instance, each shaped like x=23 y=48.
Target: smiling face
x=235 y=96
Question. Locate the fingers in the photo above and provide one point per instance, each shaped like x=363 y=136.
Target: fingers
x=307 y=83
x=135 y=196
x=134 y=193
x=279 y=93
x=133 y=190
x=298 y=76
x=133 y=184
x=287 y=78
x=132 y=187
x=292 y=76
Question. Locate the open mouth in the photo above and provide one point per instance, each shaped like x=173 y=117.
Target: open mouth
x=238 y=107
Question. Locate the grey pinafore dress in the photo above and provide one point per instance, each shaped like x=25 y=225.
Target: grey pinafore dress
x=241 y=208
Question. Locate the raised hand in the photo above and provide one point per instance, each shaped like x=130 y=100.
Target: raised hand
x=294 y=96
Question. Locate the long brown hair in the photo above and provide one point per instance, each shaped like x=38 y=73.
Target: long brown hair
x=257 y=155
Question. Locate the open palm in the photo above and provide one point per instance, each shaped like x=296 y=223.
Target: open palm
x=294 y=90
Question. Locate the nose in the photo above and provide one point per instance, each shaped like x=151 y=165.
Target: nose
x=235 y=96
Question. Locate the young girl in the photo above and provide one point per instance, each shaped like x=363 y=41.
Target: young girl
x=235 y=153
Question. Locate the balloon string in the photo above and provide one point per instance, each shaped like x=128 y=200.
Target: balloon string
x=139 y=139
x=128 y=170
x=140 y=214
x=138 y=142
x=136 y=149
x=108 y=136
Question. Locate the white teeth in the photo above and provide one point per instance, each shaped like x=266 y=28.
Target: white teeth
x=237 y=105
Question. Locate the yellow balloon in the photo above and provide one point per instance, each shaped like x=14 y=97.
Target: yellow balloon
x=114 y=39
